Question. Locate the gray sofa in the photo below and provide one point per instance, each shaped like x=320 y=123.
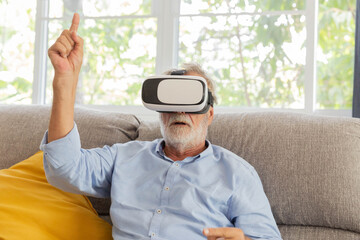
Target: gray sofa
x=309 y=165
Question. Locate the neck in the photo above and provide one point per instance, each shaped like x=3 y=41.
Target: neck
x=178 y=153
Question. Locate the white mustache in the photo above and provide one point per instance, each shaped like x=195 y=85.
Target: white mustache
x=180 y=118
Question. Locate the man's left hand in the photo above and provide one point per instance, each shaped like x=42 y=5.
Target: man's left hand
x=224 y=234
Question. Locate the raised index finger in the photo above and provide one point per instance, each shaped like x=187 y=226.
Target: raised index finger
x=75 y=22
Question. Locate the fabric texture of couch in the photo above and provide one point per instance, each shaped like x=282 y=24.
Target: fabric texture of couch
x=309 y=165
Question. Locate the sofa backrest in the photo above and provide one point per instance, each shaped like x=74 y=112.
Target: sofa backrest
x=309 y=165
x=23 y=126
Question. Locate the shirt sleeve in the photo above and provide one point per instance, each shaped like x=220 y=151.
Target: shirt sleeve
x=251 y=212
x=73 y=169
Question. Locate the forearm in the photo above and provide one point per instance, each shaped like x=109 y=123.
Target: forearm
x=62 y=112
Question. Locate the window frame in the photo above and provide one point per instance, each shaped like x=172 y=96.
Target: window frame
x=167 y=14
x=356 y=90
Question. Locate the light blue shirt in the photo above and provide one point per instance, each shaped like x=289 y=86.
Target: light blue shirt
x=154 y=197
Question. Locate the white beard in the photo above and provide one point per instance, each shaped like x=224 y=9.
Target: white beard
x=183 y=137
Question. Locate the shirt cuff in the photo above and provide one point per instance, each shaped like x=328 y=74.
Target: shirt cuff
x=60 y=151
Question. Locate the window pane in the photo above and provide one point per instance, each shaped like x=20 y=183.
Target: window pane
x=238 y=6
x=118 y=55
x=17 y=32
x=96 y=8
x=335 y=62
x=56 y=8
x=258 y=60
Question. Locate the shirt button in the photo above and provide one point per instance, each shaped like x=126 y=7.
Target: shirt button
x=153 y=234
x=167 y=188
x=158 y=211
x=176 y=164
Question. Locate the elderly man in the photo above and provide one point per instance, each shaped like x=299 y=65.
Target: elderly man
x=179 y=187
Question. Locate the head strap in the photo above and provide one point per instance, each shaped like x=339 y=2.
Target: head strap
x=178 y=72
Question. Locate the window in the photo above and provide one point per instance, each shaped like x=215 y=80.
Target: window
x=17 y=36
x=294 y=55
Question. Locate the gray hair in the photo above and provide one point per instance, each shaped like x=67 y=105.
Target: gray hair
x=196 y=68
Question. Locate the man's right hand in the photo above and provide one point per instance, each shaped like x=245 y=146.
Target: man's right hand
x=66 y=56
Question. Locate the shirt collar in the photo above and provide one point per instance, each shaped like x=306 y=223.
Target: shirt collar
x=159 y=147
x=208 y=151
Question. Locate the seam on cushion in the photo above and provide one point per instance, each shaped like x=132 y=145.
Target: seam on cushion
x=318 y=226
x=90 y=205
x=137 y=128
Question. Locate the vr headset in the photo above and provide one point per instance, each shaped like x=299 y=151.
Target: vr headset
x=176 y=93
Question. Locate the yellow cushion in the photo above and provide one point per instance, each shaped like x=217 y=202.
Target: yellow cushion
x=30 y=208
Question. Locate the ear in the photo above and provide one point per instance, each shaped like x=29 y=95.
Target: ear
x=211 y=115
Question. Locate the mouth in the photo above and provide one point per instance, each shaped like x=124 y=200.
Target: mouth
x=179 y=123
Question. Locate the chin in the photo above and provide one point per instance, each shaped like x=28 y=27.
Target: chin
x=183 y=137
x=183 y=140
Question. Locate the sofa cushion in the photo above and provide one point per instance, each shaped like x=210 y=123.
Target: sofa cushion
x=309 y=165
x=321 y=233
x=149 y=131
x=30 y=208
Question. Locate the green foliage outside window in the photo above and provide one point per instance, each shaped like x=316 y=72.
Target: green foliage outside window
x=118 y=55
x=16 y=52
x=337 y=43
x=251 y=57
